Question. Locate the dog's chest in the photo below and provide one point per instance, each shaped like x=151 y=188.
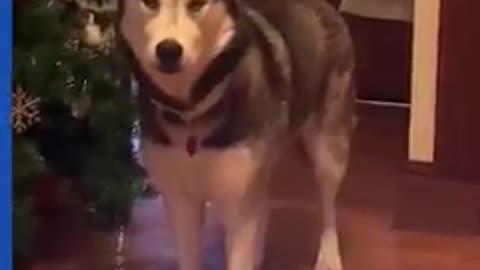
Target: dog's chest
x=206 y=174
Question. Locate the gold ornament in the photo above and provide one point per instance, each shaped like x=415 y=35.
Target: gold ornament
x=92 y=35
x=25 y=110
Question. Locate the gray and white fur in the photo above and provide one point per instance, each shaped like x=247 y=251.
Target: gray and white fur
x=245 y=79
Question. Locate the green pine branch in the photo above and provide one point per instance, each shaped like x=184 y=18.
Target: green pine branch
x=87 y=115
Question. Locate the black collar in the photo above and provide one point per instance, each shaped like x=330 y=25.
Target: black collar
x=223 y=65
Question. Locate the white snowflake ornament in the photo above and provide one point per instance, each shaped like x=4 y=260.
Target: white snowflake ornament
x=25 y=110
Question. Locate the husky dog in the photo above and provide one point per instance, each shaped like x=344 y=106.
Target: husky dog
x=223 y=87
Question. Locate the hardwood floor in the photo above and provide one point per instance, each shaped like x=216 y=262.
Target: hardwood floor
x=389 y=219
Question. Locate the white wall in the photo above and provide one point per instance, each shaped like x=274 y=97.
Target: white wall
x=379 y=9
x=424 y=80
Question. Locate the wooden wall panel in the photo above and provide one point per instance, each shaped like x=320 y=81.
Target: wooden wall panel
x=457 y=149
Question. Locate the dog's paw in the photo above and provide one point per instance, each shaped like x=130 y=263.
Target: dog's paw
x=329 y=256
x=329 y=261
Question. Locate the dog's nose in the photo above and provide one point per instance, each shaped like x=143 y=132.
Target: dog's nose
x=169 y=53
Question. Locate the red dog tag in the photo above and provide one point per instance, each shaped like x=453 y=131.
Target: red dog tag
x=191 y=145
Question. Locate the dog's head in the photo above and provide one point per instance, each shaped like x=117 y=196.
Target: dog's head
x=174 y=40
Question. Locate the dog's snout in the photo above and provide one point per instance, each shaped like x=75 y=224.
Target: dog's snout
x=169 y=53
x=169 y=50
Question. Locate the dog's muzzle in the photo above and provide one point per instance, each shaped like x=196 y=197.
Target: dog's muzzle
x=169 y=55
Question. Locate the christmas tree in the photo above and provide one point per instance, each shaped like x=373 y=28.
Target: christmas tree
x=72 y=113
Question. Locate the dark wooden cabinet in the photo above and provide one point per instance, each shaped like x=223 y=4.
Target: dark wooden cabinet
x=383 y=50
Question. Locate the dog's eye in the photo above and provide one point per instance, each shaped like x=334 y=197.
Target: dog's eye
x=196 y=5
x=152 y=4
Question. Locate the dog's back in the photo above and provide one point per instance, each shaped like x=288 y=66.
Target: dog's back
x=317 y=42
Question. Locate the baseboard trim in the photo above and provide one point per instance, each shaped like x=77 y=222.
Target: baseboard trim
x=421 y=168
x=381 y=103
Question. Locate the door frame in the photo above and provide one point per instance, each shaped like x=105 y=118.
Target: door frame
x=444 y=139
x=426 y=24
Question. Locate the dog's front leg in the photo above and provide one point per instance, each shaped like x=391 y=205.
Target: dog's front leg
x=239 y=195
x=186 y=218
x=245 y=223
x=242 y=204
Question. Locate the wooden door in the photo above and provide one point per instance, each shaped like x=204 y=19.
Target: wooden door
x=457 y=149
